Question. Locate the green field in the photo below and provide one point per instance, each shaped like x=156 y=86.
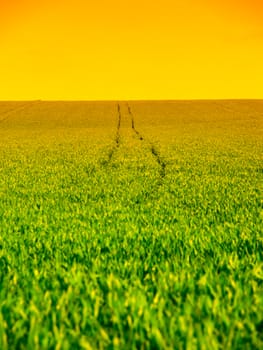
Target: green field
x=131 y=225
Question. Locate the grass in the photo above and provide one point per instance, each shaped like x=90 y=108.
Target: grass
x=131 y=226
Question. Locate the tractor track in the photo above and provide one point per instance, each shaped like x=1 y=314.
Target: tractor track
x=154 y=151
x=133 y=124
x=7 y=114
x=116 y=139
x=152 y=148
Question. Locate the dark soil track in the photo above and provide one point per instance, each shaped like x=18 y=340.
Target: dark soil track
x=152 y=148
x=116 y=139
x=154 y=151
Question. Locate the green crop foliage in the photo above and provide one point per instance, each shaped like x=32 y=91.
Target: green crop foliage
x=131 y=226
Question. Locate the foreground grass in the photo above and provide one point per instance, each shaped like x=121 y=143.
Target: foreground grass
x=122 y=240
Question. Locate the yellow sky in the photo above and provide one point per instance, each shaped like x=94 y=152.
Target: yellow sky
x=133 y=49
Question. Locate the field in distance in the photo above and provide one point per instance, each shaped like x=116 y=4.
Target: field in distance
x=131 y=225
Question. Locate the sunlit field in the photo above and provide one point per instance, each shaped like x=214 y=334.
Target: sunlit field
x=131 y=225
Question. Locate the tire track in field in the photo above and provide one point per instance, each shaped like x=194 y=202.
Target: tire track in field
x=133 y=124
x=154 y=151
x=7 y=114
x=116 y=139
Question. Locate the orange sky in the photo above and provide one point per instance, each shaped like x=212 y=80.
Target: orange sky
x=133 y=49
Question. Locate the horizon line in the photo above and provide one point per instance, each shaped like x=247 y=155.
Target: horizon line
x=133 y=100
